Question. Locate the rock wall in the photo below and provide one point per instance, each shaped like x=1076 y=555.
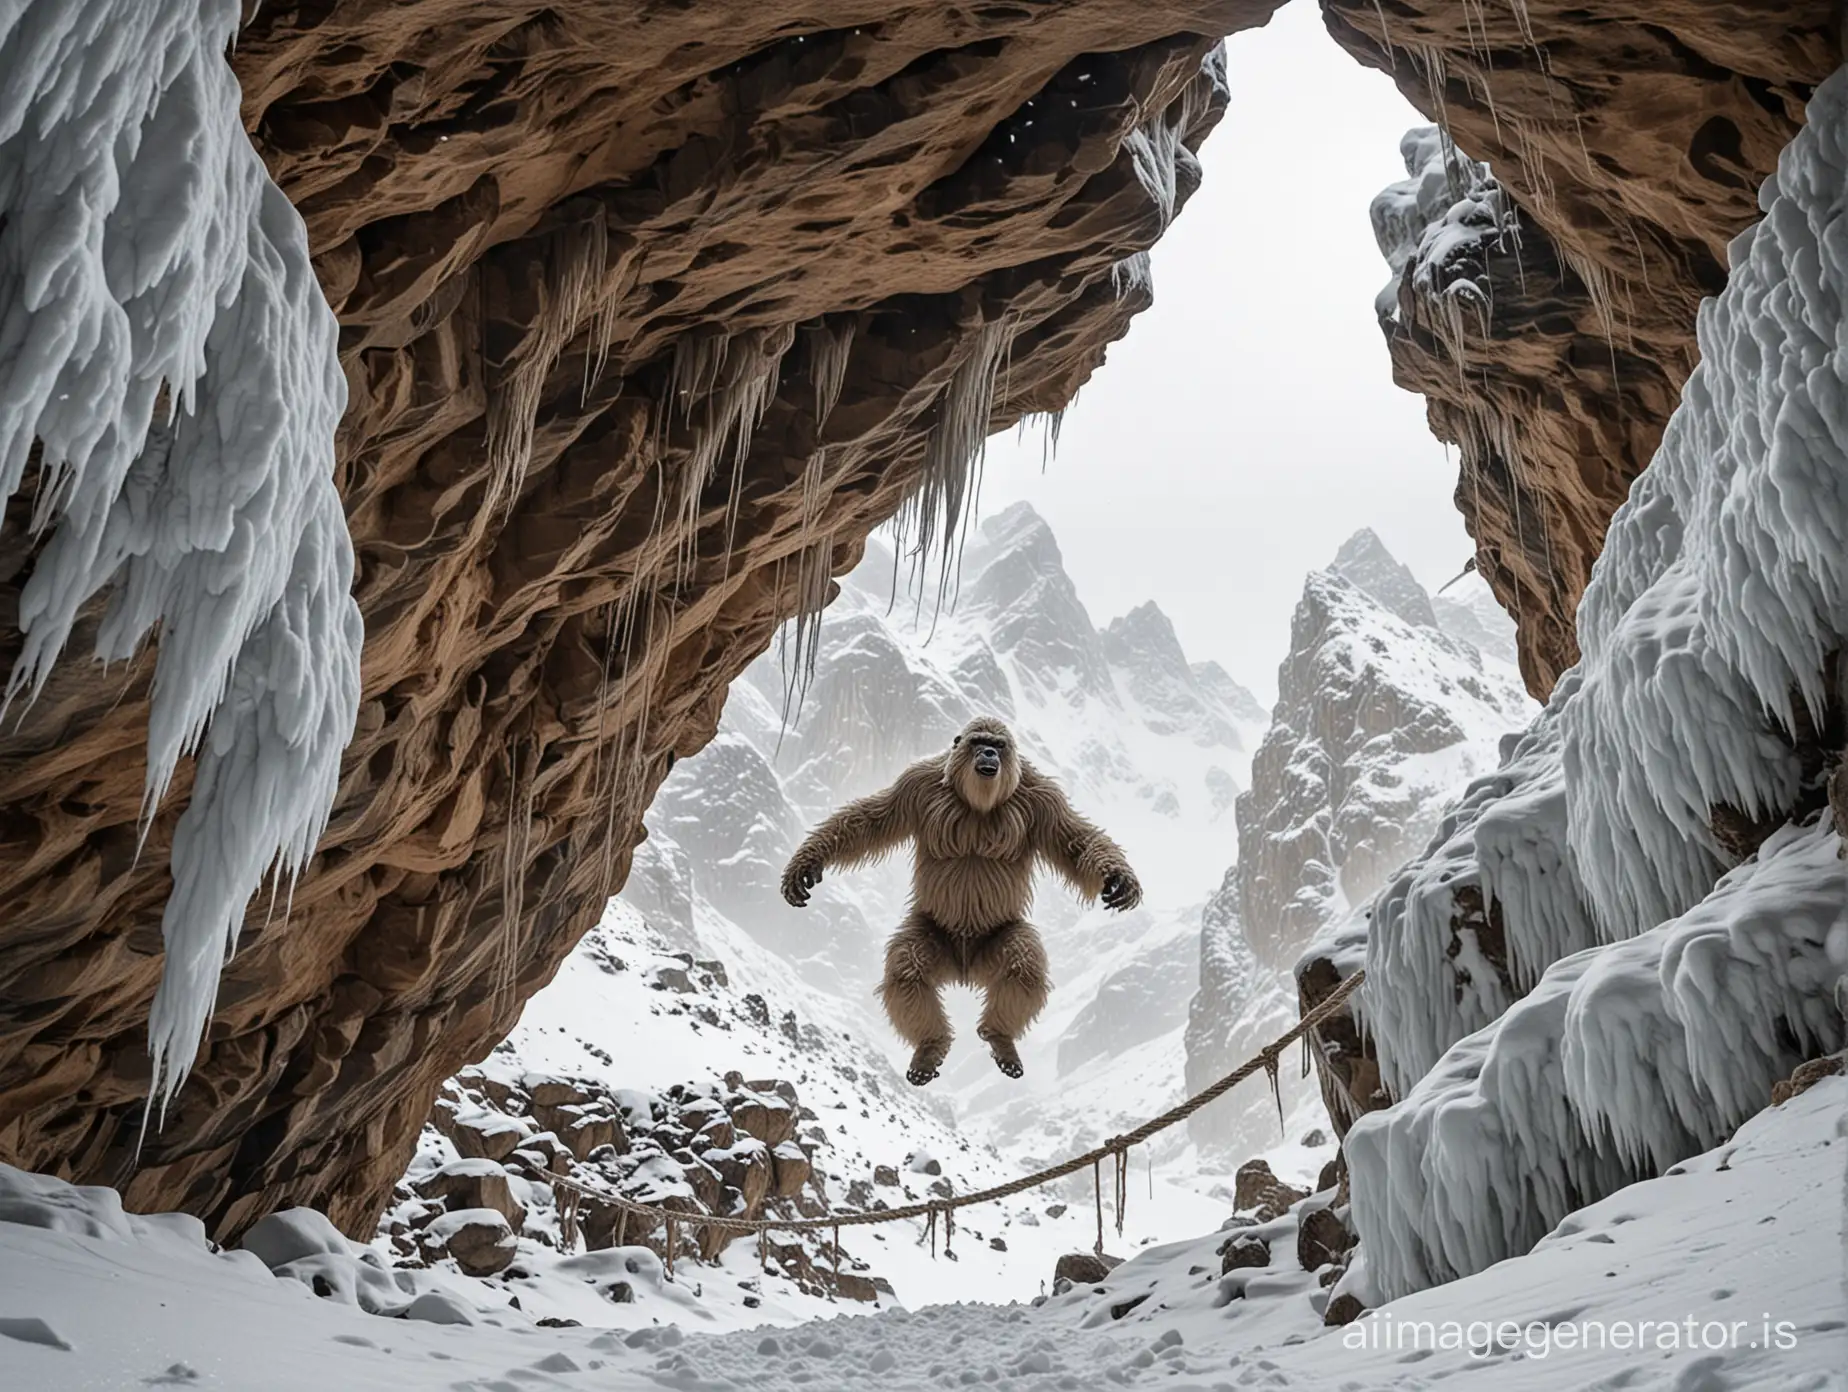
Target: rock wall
x=649 y=315
x=1632 y=139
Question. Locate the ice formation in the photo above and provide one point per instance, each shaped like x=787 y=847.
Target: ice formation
x=1622 y=1061
x=935 y=510
x=1431 y=226
x=1665 y=1004
x=1431 y=975
x=163 y=339
x=1164 y=165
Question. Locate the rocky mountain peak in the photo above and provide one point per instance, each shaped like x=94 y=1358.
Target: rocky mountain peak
x=1378 y=717
x=1236 y=698
x=1364 y=560
x=1144 y=638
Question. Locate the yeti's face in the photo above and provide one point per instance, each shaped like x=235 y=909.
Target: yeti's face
x=983 y=766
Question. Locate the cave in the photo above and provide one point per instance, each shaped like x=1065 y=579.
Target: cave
x=620 y=331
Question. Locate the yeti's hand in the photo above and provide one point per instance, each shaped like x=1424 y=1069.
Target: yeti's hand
x=803 y=874
x=1122 y=890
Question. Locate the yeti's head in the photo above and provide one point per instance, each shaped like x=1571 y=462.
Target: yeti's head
x=983 y=765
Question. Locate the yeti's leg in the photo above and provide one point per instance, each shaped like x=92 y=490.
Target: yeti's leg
x=1010 y=966
x=918 y=964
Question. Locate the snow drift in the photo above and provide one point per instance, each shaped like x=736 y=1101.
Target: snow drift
x=164 y=342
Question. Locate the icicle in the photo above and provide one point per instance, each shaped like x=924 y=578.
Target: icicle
x=1132 y=273
x=144 y=250
x=729 y=381
x=830 y=347
x=1050 y=448
x=515 y=852
x=933 y=509
x=572 y=287
x=1392 y=56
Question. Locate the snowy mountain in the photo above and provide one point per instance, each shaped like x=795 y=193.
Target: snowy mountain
x=1382 y=715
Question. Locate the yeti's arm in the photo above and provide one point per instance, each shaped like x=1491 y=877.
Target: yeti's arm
x=1079 y=852
x=863 y=830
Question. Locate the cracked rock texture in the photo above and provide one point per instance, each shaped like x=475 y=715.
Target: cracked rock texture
x=650 y=313
x=1632 y=138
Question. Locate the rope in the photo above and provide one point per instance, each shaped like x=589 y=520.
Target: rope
x=1117 y=1148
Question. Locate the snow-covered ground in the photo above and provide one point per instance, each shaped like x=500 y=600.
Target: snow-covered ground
x=601 y=1019
x=1728 y=1274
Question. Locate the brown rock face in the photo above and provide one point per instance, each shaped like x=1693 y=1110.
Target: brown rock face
x=1633 y=137
x=649 y=314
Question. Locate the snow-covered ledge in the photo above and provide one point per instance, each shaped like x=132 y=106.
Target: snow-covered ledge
x=165 y=343
x=1707 y=633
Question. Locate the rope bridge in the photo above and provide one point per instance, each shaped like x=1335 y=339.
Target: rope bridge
x=569 y=1193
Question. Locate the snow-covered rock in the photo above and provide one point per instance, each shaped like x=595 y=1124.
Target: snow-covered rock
x=1627 y=935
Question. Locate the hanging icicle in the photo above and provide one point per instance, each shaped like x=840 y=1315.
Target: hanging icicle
x=576 y=284
x=930 y=516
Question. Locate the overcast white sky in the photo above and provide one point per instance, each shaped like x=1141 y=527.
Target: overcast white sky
x=1248 y=424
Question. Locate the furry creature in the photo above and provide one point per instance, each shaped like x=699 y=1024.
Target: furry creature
x=979 y=819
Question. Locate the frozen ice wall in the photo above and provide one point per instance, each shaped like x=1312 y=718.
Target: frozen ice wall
x=165 y=343
x=1656 y=994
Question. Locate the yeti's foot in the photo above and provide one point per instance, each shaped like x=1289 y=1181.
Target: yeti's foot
x=926 y=1060
x=1007 y=1057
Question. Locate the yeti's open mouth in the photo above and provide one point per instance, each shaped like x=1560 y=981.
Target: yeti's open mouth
x=987 y=764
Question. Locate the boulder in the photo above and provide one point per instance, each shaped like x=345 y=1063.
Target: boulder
x=675 y=979
x=585 y=1134
x=1243 y=1251
x=780 y=1087
x=547 y=1091
x=1330 y=1178
x=541 y=1155
x=466 y=1184
x=1084 y=1268
x=748 y=1168
x=1345 y=1308
x=793 y=1169
x=886 y=1175
x=485 y=1135
x=477 y=1239
x=1322 y=1238
x=1257 y=1188
x=769 y=1118
x=704 y=1181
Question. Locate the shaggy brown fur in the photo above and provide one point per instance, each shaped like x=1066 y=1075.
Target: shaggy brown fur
x=979 y=819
